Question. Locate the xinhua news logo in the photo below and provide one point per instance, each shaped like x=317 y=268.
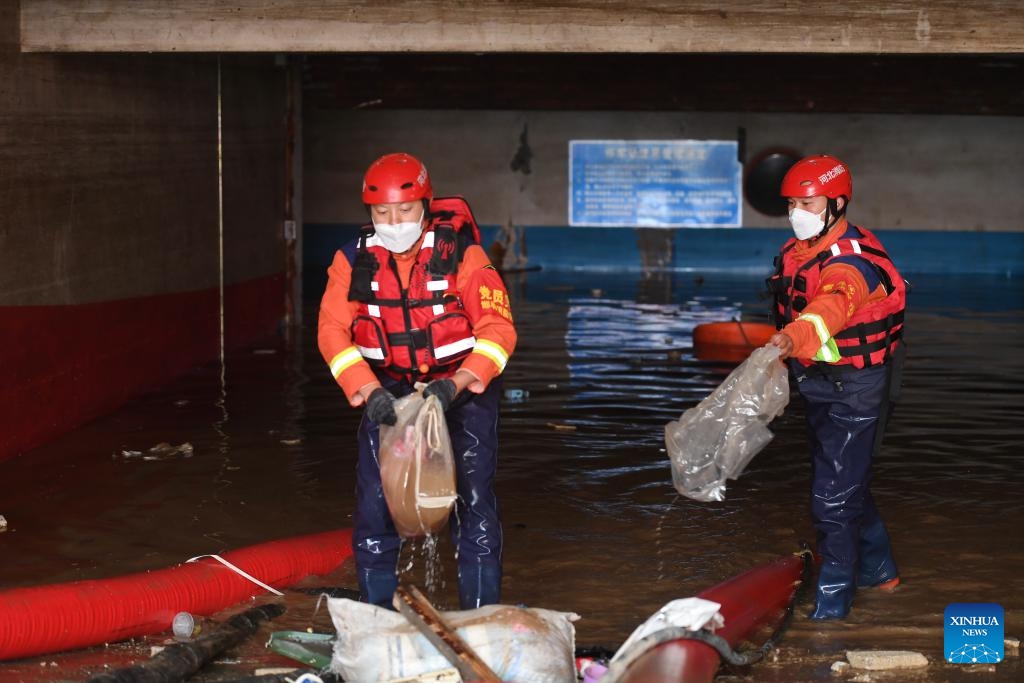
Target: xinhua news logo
x=974 y=633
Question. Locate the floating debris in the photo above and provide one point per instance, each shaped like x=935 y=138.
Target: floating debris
x=291 y=442
x=161 y=451
x=562 y=427
x=516 y=395
x=3 y=524
x=276 y=671
x=881 y=660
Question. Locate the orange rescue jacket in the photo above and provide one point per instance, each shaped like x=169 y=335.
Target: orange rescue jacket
x=872 y=331
x=445 y=308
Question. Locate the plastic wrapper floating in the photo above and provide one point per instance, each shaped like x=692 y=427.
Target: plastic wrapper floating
x=417 y=467
x=716 y=439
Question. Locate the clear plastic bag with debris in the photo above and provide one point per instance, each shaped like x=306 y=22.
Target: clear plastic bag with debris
x=716 y=439
x=417 y=467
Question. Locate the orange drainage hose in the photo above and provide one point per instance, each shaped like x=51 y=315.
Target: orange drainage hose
x=58 y=617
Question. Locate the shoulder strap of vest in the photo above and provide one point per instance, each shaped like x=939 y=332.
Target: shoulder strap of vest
x=455 y=229
x=777 y=261
x=818 y=260
x=455 y=211
x=882 y=273
x=363 y=269
x=447 y=252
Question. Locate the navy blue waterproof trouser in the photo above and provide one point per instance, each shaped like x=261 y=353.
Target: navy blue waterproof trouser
x=846 y=415
x=475 y=524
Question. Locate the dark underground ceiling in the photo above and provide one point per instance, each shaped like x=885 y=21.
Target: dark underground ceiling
x=771 y=83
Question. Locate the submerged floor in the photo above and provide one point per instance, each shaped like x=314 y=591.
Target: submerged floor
x=592 y=523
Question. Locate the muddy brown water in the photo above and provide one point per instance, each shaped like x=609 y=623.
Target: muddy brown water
x=592 y=523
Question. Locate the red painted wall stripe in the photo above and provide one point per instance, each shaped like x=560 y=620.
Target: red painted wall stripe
x=62 y=366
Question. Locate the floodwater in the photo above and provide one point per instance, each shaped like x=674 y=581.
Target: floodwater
x=592 y=522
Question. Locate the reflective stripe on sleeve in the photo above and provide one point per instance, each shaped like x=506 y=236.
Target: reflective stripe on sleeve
x=828 y=352
x=344 y=361
x=492 y=351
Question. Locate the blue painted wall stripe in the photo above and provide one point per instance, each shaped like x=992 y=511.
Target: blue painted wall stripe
x=717 y=249
x=951 y=273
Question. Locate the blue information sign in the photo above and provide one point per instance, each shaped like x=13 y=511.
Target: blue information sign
x=655 y=183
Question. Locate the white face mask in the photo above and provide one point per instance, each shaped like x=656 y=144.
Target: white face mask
x=806 y=224
x=398 y=237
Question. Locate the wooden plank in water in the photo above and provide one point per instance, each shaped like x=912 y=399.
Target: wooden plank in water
x=415 y=607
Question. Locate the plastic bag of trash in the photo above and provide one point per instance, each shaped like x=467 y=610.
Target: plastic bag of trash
x=417 y=467
x=517 y=643
x=717 y=438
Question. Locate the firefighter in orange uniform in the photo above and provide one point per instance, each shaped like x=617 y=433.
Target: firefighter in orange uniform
x=839 y=305
x=415 y=299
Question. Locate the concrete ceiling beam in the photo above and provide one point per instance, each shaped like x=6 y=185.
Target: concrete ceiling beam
x=574 y=26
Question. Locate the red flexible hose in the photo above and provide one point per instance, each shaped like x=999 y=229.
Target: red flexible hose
x=752 y=599
x=65 y=616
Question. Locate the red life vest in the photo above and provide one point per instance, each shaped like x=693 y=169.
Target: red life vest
x=872 y=334
x=423 y=331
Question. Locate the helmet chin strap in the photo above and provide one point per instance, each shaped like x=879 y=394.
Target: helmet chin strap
x=832 y=215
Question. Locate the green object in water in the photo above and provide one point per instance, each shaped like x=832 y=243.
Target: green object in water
x=313 y=649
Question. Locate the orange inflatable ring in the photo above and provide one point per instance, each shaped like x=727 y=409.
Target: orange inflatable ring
x=731 y=341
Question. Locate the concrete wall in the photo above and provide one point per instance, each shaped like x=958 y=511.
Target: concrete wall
x=110 y=228
x=945 y=173
x=98 y=153
x=255 y=97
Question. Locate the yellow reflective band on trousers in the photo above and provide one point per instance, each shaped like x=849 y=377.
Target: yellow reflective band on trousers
x=344 y=360
x=828 y=352
x=492 y=351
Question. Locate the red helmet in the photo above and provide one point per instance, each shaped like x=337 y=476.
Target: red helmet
x=398 y=177
x=818 y=175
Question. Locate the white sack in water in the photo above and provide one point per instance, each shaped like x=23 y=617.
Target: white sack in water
x=717 y=438
x=517 y=643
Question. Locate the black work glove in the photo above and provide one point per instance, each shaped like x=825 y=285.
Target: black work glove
x=444 y=389
x=380 y=407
